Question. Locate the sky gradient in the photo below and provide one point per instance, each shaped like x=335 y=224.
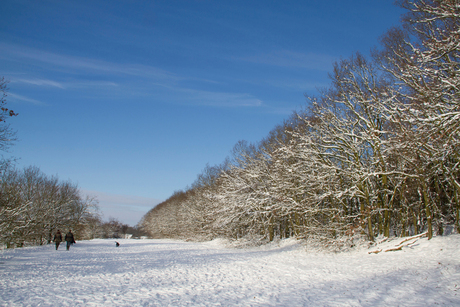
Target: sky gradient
x=131 y=99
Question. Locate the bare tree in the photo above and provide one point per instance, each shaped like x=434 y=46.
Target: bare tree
x=33 y=206
x=424 y=59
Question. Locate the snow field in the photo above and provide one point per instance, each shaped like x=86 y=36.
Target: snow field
x=176 y=273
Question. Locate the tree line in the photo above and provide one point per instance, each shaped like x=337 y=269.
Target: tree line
x=33 y=206
x=375 y=153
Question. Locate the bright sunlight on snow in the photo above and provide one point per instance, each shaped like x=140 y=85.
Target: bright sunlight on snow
x=177 y=273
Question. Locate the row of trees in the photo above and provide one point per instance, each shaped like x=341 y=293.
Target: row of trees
x=33 y=206
x=377 y=153
x=116 y=229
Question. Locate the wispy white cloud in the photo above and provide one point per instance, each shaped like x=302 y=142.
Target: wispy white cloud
x=66 y=62
x=289 y=83
x=39 y=82
x=148 y=78
x=178 y=94
x=25 y=99
x=90 y=84
x=221 y=99
x=286 y=58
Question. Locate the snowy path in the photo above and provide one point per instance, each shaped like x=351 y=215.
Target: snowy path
x=175 y=273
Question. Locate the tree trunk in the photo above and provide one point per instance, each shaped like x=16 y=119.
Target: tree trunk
x=414 y=215
x=427 y=210
x=369 y=228
x=271 y=229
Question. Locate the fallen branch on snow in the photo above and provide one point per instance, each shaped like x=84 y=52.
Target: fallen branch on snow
x=394 y=249
x=398 y=248
x=414 y=237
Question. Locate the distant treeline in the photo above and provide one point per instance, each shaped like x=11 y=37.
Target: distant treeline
x=33 y=206
x=376 y=153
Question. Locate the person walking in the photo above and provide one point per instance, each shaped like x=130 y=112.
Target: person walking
x=57 y=238
x=69 y=239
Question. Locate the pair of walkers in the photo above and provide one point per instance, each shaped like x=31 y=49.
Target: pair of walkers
x=68 y=238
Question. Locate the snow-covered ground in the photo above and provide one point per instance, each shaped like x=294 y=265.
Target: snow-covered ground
x=176 y=273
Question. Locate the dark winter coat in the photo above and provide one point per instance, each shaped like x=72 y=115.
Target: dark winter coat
x=69 y=237
x=57 y=237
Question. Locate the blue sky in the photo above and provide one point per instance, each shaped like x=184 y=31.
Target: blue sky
x=131 y=99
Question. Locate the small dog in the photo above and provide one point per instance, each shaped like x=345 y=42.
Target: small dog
x=117 y=244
